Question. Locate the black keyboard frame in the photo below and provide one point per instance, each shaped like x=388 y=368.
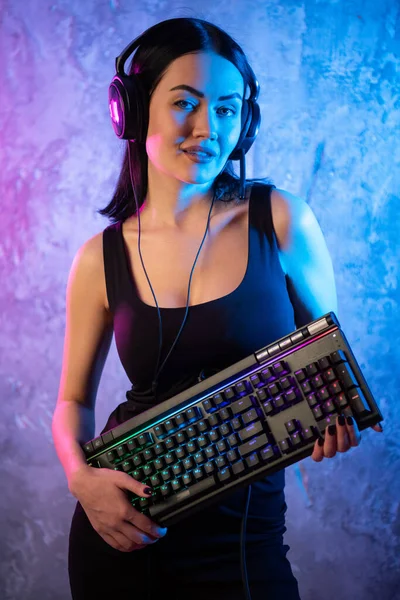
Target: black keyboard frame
x=321 y=337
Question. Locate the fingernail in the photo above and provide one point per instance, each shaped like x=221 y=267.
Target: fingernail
x=162 y=531
x=332 y=429
x=350 y=421
x=380 y=427
x=320 y=442
x=341 y=420
x=148 y=490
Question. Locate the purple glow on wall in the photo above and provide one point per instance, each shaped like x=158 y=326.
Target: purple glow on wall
x=328 y=74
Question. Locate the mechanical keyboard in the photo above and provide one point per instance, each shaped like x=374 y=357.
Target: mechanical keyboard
x=244 y=423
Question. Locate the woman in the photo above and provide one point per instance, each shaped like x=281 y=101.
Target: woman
x=262 y=268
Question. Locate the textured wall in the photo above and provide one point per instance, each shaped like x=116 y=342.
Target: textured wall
x=329 y=74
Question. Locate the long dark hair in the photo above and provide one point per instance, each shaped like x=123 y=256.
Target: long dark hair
x=159 y=46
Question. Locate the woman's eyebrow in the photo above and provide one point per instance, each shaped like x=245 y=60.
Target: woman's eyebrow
x=189 y=88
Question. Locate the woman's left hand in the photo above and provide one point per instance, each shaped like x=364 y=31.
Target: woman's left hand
x=339 y=437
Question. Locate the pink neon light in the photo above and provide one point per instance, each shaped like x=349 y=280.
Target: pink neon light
x=114 y=111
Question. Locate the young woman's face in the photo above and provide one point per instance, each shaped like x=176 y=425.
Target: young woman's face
x=197 y=102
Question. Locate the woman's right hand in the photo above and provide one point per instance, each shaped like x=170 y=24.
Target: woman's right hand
x=102 y=494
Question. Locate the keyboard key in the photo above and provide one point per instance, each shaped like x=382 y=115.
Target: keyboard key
x=170 y=458
x=329 y=375
x=148 y=454
x=250 y=416
x=285 y=383
x=253 y=429
x=203 y=426
x=176 y=485
x=279 y=401
x=306 y=387
x=219 y=400
x=176 y=469
x=209 y=468
x=318 y=413
x=229 y=394
x=256 y=380
x=328 y=407
x=324 y=363
x=311 y=369
x=291 y=426
x=171 y=443
x=111 y=456
x=253 y=444
x=159 y=449
x=224 y=475
x=181 y=420
x=358 y=402
x=225 y=429
x=202 y=441
x=346 y=376
x=334 y=388
x=338 y=357
x=309 y=434
x=223 y=446
x=341 y=401
x=285 y=446
x=242 y=388
x=296 y=439
x=214 y=436
x=262 y=395
x=210 y=452
x=127 y=466
x=144 y=439
x=208 y=407
x=225 y=413
x=312 y=400
x=97 y=443
x=148 y=470
x=323 y=394
x=107 y=437
x=232 y=455
x=234 y=440
x=159 y=431
x=131 y=445
x=237 y=423
x=198 y=474
x=300 y=375
x=279 y=368
x=269 y=407
x=266 y=375
x=214 y=420
x=317 y=382
x=252 y=460
x=238 y=467
x=88 y=448
x=138 y=460
x=193 y=414
x=267 y=453
x=240 y=406
x=274 y=388
x=221 y=462
x=292 y=396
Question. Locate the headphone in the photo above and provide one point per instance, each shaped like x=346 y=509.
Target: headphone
x=129 y=111
x=128 y=105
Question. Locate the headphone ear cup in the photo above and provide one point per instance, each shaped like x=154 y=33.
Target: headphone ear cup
x=128 y=108
x=251 y=119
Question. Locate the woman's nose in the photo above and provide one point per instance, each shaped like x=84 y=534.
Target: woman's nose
x=205 y=124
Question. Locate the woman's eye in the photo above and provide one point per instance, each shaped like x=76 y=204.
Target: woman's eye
x=231 y=111
x=184 y=104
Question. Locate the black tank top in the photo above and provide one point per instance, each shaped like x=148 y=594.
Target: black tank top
x=217 y=333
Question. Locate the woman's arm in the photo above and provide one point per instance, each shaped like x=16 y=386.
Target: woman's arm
x=304 y=257
x=88 y=336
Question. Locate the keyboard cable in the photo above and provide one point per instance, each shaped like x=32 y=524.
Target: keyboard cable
x=243 y=567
